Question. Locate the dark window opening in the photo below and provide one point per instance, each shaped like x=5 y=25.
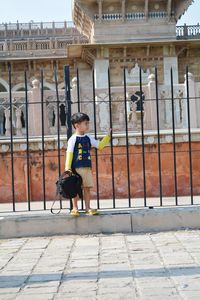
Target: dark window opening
x=62 y=115
x=23 y=120
x=139 y=100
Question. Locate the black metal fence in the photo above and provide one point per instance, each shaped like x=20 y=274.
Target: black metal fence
x=129 y=199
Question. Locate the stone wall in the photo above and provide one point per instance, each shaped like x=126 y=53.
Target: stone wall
x=190 y=57
x=104 y=164
x=34 y=71
x=128 y=55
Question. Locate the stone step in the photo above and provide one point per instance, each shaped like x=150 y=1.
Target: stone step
x=118 y=221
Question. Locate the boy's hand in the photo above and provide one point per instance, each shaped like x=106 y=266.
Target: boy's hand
x=67 y=173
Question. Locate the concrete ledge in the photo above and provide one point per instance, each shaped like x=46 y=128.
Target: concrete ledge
x=47 y=225
x=165 y=219
x=132 y=221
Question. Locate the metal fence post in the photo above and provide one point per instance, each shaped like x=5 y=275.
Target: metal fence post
x=68 y=101
x=11 y=137
x=68 y=106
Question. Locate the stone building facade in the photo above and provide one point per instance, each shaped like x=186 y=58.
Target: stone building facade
x=106 y=34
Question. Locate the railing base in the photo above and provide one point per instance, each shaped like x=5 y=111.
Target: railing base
x=120 y=221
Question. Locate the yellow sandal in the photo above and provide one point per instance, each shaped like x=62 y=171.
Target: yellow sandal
x=75 y=213
x=91 y=212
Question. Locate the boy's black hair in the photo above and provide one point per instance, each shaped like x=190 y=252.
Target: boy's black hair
x=78 y=118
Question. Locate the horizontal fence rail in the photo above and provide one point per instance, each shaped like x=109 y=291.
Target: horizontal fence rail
x=152 y=159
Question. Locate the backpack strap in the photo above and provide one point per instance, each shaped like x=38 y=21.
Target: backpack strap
x=60 y=197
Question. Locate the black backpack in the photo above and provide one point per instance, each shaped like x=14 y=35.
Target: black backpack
x=69 y=185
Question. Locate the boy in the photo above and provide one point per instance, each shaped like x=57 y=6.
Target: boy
x=79 y=158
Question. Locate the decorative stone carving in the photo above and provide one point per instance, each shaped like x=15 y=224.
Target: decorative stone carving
x=36 y=84
x=165 y=100
x=103 y=109
x=133 y=77
x=18 y=122
x=151 y=78
x=115 y=142
x=136 y=110
x=150 y=140
x=7 y=123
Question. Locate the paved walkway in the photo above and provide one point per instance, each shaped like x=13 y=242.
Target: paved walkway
x=149 y=267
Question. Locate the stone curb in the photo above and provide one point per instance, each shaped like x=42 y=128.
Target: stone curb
x=127 y=221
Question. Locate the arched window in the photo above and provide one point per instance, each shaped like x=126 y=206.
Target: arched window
x=2 y=88
x=21 y=90
x=20 y=87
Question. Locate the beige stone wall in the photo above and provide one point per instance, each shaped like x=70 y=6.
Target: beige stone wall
x=191 y=58
x=34 y=70
x=120 y=56
x=128 y=57
x=137 y=6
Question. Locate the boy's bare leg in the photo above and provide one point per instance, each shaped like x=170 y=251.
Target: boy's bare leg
x=75 y=203
x=86 y=194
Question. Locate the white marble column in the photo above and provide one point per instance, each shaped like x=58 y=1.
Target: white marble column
x=168 y=63
x=100 y=4
x=74 y=95
x=18 y=122
x=101 y=81
x=169 y=8
x=150 y=106
x=7 y=123
x=123 y=9
x=146 y=9
x=35 y=115
x=193 y=103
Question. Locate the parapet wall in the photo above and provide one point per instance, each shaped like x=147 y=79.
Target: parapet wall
x=104 y=168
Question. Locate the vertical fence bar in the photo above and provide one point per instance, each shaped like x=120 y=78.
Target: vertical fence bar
x=127 y=142
x=27 y=140
x=11 y=137
x=158 y=133
x=189 y=137
x=68 y=100
x=174 y=137
x=78 y=90
x=143 y=145
x=58 y=123
x=68 y=106
x=95 y=134
x=79 y=109
x=43 y=142
x=111 y=141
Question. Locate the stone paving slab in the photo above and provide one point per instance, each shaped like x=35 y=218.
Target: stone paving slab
x=153 y=266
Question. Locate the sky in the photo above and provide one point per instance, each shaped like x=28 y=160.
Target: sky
x=60 y=10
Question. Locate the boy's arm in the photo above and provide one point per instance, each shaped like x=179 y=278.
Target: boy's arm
x=104 y=142
x=68 y=162
x=100 y=144
x=70 y=153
